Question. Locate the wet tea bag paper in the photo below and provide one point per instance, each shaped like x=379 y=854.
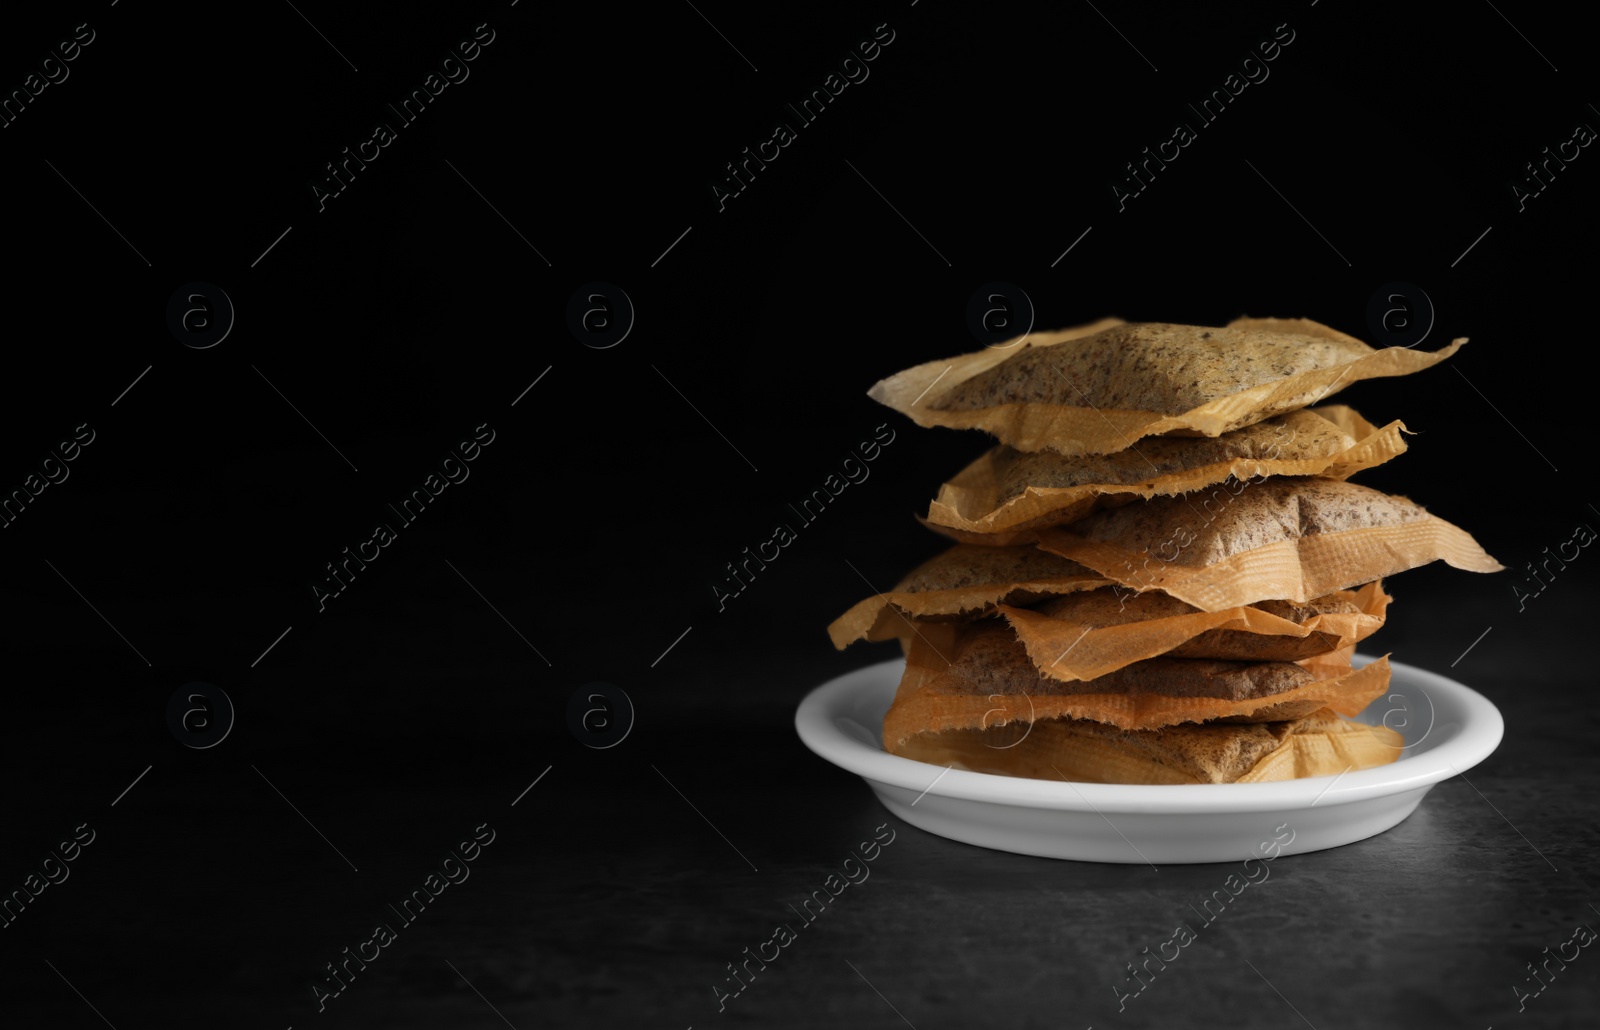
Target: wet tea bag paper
x=1319 y=744
x=1086 y=635
x=1331 y=665
x=978 y=676
x=1099 y=388
x=1006 y=493
x=965 y=581
x=1290 y=538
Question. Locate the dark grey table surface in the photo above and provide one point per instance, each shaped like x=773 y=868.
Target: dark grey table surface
x=619 y=888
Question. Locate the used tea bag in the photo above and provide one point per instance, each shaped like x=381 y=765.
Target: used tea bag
x=979 y=675
x=1325 y=744
x=1006 y=493
x=1085 y=635
x=963 y=582
x=1099 y=388
x=1292 y=538
x=1319 y=744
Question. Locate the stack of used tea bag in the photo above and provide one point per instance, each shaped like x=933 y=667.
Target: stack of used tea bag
x=1162 y=571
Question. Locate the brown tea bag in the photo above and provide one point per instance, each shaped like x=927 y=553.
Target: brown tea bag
x=1324 y=744
x=1330 y=664
x=1099 y=388
x=1006 y=492
x=964 y=582
x=979 y=675
x=1293 y=538
x=1085 y=635
x=1318 y=744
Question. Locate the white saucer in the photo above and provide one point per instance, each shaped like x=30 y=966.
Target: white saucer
x=1448 y=728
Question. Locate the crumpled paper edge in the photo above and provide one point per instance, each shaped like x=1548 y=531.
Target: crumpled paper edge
x=1060 y=651
x=1296 y=569
x=968 y=502
x=1072 y=429
x=918 y=709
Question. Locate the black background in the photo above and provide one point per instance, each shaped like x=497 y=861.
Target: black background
x=415 y=307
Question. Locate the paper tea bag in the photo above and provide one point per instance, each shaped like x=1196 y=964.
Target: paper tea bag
x=1089 y=634
x=1292 y=538
x=1007 y=492
x=1099 y=388
x=1319 y=744
x=964 y=582
x=978 y=675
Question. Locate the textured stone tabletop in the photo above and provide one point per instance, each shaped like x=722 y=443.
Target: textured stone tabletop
x=623 y=882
